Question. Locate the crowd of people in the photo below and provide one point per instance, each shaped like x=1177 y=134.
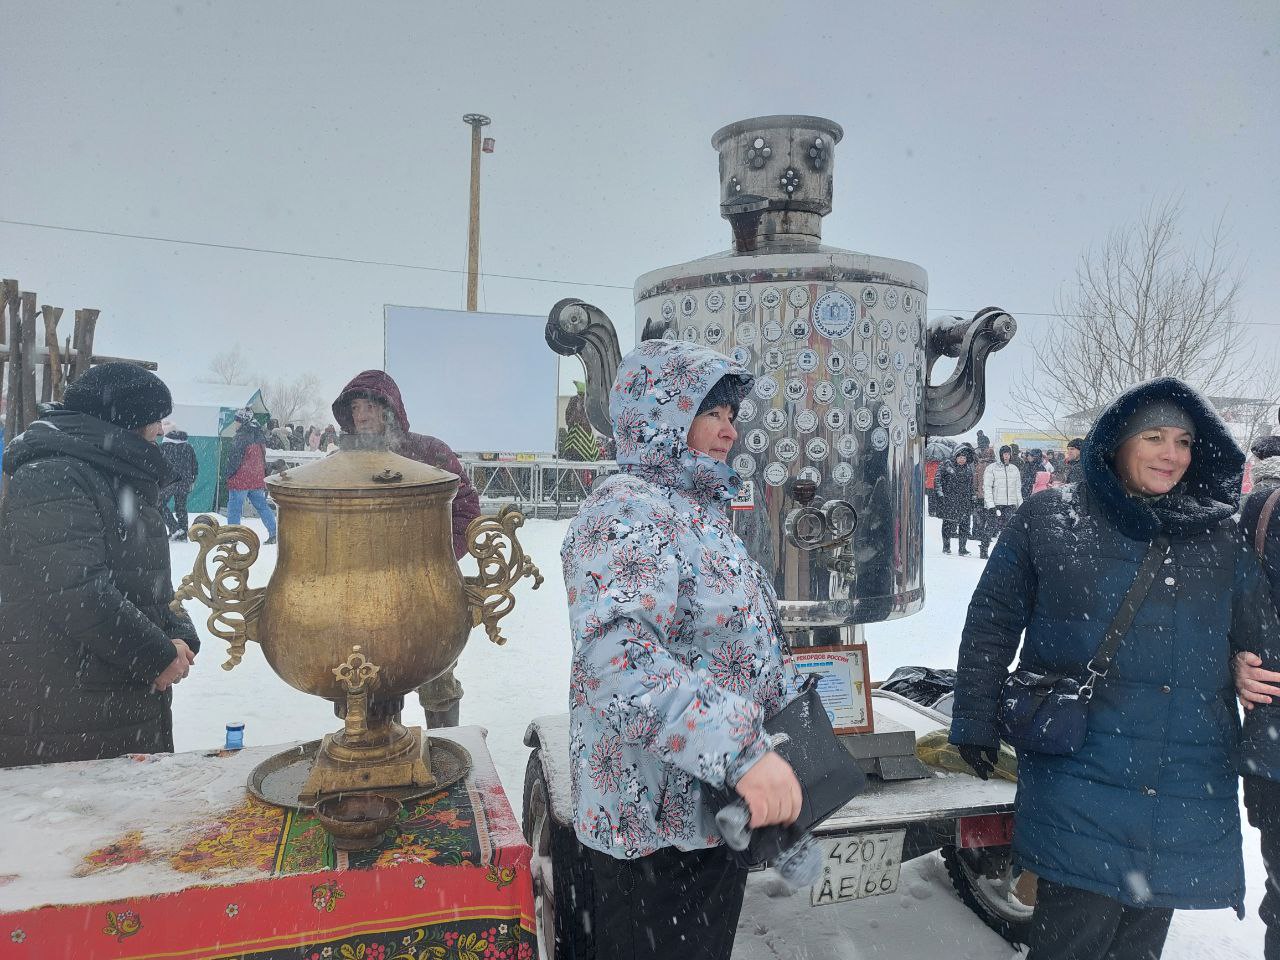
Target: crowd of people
x=975 y=489
x=679 y=656
x=293 y=436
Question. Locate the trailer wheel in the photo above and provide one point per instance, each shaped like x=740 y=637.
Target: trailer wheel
x=1004 y=902
x=561 y=877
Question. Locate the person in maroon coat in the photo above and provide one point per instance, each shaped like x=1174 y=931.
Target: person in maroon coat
x=371 y=404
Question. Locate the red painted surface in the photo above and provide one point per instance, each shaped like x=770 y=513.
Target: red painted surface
x=988 y=830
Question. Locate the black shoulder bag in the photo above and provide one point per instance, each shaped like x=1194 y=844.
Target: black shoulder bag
x=829 y=776
x=1049 y=712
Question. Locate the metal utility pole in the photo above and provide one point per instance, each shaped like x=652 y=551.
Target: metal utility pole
x=475 y=121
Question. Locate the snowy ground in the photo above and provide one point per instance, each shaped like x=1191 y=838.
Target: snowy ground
x=529 y=676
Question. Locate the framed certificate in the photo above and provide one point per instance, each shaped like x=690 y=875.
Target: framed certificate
x=844 y=684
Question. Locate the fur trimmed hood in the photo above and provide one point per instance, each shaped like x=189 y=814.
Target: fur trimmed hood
x=1209 y=491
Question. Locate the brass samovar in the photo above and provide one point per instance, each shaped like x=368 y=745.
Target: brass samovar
x=365 y=604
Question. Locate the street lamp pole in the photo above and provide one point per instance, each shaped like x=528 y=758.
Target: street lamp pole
x=475 y=121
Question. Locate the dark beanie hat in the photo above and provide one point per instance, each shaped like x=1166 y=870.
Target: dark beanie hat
x=124 y=394
x=1264 y=448
x=1075 y=443
x=727 y=392
x=1157 y=413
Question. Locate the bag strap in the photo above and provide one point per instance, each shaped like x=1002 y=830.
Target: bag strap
x=1264 y=518
x=1101 y=663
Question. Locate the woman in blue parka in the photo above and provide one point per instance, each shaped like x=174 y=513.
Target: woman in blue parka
x=1144 y=817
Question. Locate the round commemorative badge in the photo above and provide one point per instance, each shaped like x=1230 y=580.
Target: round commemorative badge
x=834 y=314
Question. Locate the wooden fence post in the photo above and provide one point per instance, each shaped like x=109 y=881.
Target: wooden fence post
x=86 y=323
x=28 y=360
x=8 y=313
x=51 y=388
x=13 y=420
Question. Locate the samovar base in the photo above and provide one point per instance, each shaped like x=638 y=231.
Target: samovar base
x=345 y=768
x=280 y=779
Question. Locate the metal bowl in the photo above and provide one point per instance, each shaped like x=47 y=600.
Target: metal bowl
x=356 y=821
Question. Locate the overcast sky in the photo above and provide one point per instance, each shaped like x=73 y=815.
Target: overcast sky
x=988 y=142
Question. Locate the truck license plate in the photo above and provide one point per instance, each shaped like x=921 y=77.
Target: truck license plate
x=857 y=866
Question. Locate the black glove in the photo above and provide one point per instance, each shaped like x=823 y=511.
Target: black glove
x=981 y=758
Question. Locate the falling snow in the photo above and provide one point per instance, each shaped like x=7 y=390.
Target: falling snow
x=923 y=920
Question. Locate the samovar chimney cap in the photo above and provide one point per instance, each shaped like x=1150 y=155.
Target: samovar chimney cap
x=776 y=179
x=777 y=121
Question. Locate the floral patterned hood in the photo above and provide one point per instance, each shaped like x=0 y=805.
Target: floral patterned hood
x=653 y=402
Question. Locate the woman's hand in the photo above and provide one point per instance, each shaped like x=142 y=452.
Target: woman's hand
x=1253 y=684
x=982 y=759
x=772 y=791
x=176 y=670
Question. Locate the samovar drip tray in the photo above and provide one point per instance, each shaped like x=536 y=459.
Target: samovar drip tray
x=280 y=778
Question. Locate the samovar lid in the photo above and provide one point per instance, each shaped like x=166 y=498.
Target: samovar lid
x=360 y=473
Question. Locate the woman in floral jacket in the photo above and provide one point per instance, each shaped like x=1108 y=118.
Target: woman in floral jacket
x=677 y=662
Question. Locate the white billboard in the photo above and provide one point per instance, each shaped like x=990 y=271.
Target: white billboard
x=479 y=381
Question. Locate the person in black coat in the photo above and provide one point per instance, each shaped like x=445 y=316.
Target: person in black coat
x=88 y=645
x=180 y=457
x=1072 y=471
x=1143 y=818
x=956 y=483
x=1257 y=681
x=1028 y=466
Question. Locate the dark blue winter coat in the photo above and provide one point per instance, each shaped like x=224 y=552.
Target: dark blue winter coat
x=1146 y=812
x=1261 y=754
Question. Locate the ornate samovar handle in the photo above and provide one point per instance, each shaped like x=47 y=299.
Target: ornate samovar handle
x=954 y=406
x=578 y=329
x=502 y=561
x=234 y=605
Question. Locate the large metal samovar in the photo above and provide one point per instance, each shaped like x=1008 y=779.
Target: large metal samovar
x=831 y=438
x=366 y=601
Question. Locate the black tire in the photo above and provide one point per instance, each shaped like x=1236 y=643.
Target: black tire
x=991 y=899
x=562 y=892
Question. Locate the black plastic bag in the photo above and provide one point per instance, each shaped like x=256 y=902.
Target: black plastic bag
x=922 y=685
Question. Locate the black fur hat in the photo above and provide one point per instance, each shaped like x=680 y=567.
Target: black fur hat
x=1264 y=448
x=123 y=394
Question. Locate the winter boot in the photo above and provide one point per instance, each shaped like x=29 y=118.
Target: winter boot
x=179 y=537
x=270 y=540
x=962 y=551
x=982 y=550
x=443 y=718
x=946 y=545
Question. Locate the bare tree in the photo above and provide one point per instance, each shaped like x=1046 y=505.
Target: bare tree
x=1260 y=418
x=1143 y=305
x=230 y=367
x=295 y=401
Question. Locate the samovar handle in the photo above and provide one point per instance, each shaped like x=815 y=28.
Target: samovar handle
x=234 y=605
x=503 y=563
x=582 y=330
x=954 y=406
